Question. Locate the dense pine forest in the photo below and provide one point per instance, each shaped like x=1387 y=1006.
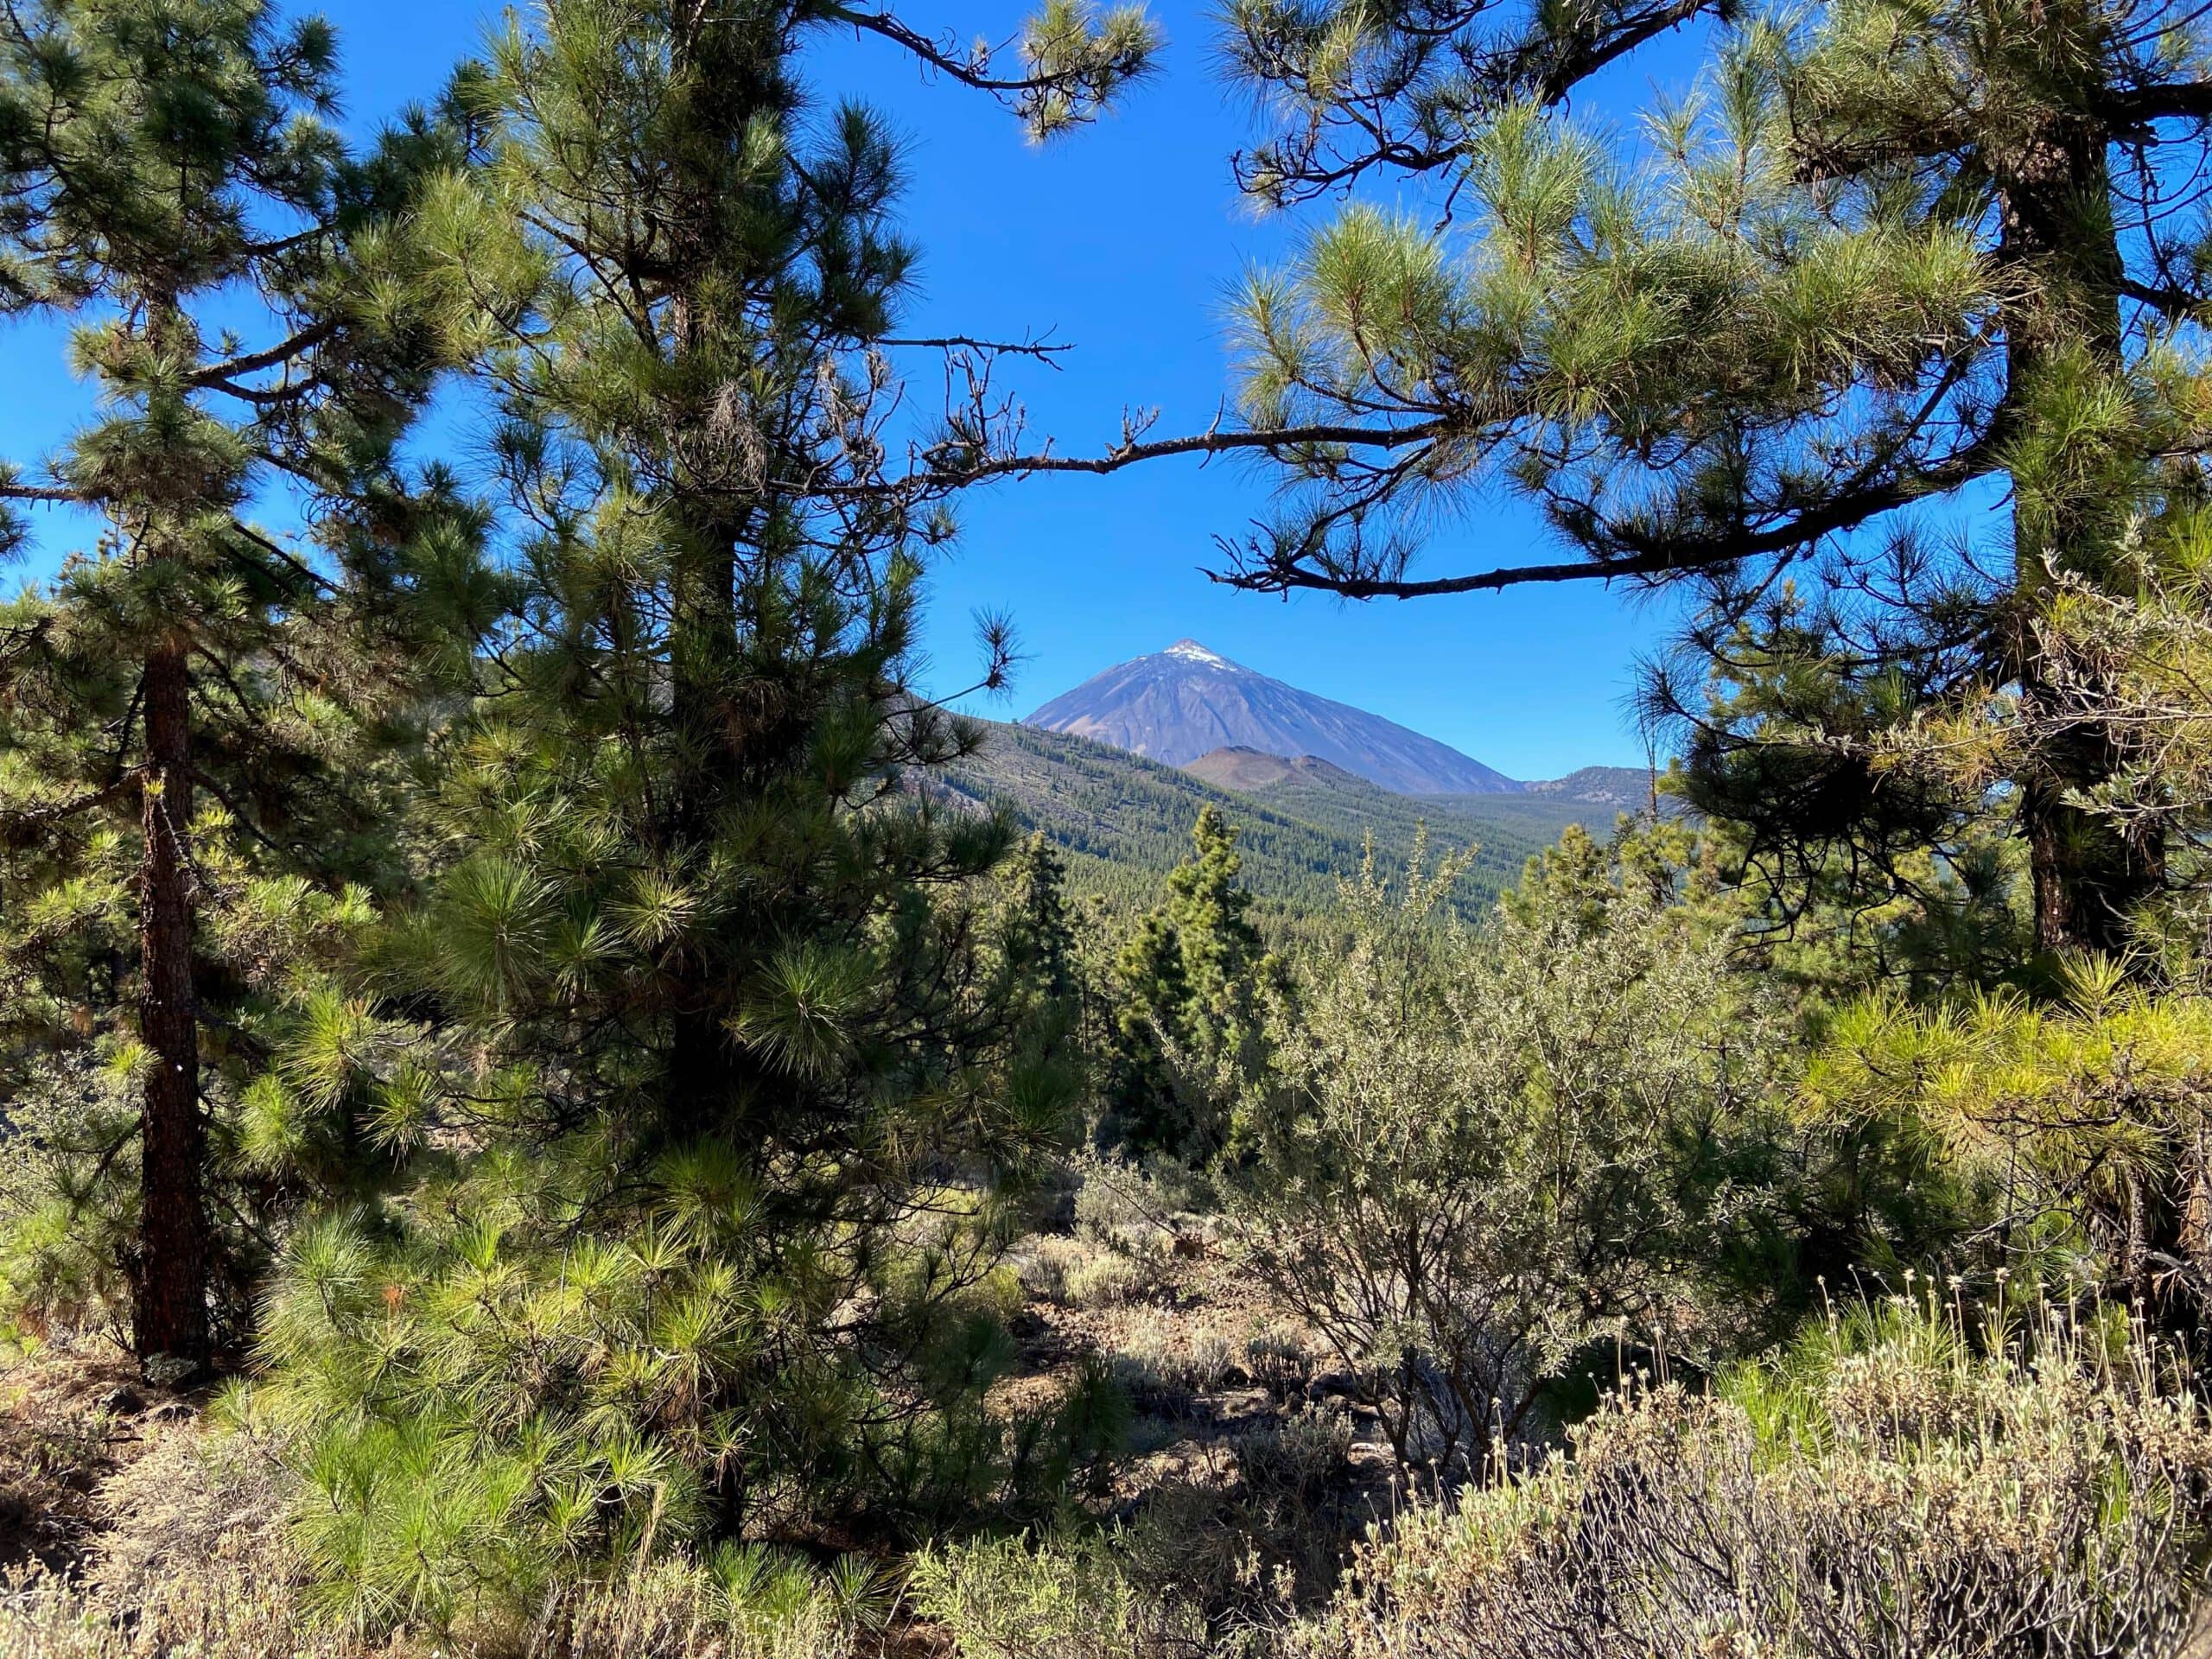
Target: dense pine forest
x=559 y=1096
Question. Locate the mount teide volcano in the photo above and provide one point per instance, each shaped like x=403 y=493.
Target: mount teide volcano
x=1184 y=703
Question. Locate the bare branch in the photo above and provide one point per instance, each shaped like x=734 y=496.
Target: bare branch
x=1129 y=453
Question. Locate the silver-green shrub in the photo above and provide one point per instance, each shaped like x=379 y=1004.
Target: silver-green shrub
x=1492 y=1151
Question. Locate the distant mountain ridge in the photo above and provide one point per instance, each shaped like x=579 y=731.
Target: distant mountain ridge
x=1183 y=704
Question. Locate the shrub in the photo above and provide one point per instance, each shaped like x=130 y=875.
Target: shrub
x=1279 y=1359
x=1133 y=1207
x=737 y=1604
x=1492 y=1152
x=1897 y=1484
x=1248 y=1537
x=1168 y=1358
x=1072 y=1598
x=1111 y=1280
x=1302 y=1460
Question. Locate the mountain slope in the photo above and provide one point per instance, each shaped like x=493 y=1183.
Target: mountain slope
x=1627 y=787
x=1248 y=771
x=1124 y=821
x=1186 y=702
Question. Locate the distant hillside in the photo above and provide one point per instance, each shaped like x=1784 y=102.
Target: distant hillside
x=1627 y=787
x=1246 y=770
x=1184 y=703
x=1125 y=821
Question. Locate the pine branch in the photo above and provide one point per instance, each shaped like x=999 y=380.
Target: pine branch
x=2128 y=107
x=55 y=493
x=1647 y=555
x=215 y=375
x=2167 y=300
x=1038 y=349
x=963 y=68
x=1130 y=452
x=69 y=809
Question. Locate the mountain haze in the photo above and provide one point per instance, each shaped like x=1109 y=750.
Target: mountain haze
x=1185 y=702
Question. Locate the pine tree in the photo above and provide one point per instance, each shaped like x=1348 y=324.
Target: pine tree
x=1889 y=257
x=695 y=1056
x=1188 y=986
x=1037 y=934
x=187 y=711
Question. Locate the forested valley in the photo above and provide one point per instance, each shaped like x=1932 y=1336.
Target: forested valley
x=560 y=1095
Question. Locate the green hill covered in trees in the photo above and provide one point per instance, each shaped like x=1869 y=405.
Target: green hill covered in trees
x=1124 y=821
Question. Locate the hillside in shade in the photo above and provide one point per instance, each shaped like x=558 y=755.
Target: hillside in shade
x=1185 y=702
x=1627 y=788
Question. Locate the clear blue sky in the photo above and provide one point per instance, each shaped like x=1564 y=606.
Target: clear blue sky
x=1121 y=239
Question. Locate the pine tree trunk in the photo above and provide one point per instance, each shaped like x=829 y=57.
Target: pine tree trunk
x=2087 y=876
x=170 y=1318
x=702 y=639
x=709 y=1073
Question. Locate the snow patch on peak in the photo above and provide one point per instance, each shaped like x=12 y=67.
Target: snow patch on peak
x=1192 y=652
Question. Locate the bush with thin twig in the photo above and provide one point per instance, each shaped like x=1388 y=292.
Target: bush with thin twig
x=1903 y=1484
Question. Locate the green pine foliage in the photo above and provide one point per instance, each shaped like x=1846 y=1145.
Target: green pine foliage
x=2078 y=1122
x=197 y=713
x=710 y=1067
x=1187 y=989
x=1886 y=261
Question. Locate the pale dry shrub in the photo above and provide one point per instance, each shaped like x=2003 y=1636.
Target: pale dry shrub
x=1042 y=1266
x=1256 y=1532
x=1302 y=1459
x=218 y=1608
x=1894 y=1489
x=1162 y=1359
x=1002 y=1598
x=248 y=1606
x=1280 y=1358
x=193 y=1494
x=739 y=1604
x=1134 y=1208
x=1111 y=1280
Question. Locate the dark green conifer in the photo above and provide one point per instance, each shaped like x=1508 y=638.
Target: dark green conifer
x=188 y=711
x=1189 y=986
x=695 y=1053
